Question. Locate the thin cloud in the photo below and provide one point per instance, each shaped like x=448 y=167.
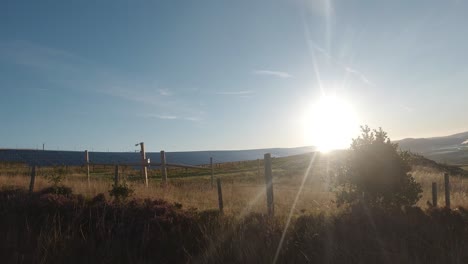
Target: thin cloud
x=164 y=92
x=191 y=118
x=361 y=76
x=169 y=117
x=236 y=93
x=279 y=74
x=345 y=67
x=42 y=58
x=321 y=50
x=407 y=108
x=173 y=117
x=73 y=72
x=132 y=95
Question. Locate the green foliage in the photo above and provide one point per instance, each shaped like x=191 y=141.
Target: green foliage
x=376 y=174
x=55 y=178
x=121 y=192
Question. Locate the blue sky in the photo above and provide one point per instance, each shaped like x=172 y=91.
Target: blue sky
x=204 y=75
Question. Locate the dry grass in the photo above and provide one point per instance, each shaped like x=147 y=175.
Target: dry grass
x=458 y=187
x=243 y=185
x=239 y=198
x=56 y=229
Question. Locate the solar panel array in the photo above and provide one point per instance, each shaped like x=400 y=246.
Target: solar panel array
x=77 y=158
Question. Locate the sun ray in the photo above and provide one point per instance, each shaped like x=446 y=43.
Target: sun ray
x=293 y=207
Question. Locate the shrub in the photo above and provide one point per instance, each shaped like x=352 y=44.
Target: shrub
x=55 y=178
x=59 y=190
x=376 y=174
x=121 y=192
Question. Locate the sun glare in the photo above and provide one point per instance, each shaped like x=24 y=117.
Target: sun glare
x=330 y=123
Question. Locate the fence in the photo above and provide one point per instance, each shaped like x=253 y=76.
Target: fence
x=210 y=169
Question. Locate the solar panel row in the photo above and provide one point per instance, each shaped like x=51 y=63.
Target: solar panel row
x=77 y=158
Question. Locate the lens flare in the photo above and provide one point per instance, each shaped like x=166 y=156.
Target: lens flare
x=330 y=123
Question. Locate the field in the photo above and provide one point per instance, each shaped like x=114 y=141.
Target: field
x=181 y=223
x=243 y=184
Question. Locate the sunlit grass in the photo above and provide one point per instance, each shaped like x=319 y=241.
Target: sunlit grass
x=243 y=185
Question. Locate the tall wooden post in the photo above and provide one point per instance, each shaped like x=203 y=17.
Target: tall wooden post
x=434 y=194
x=116 y=176
x=258 y=167
x=220 y=196
x=269 y=184
x=87 y=166
x=33 y=179
x=163 y=167
x=447 y=190
x=144 y=169
x=212 y=172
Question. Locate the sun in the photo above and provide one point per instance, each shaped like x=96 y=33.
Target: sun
x=330 y=123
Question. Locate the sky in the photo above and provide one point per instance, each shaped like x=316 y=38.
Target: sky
x=210 y=75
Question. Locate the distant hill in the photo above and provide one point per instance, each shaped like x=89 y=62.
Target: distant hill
x=49 y=157
x=451 y=149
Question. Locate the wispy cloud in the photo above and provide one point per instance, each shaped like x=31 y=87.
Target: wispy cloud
x=170 y=117
x=164 y=92
x=191 y=118
x=407 y=108
x=173 y=117
x=359 y=75
x=279 y=74
x=46 y=59
x=154 y=101
x=236 y=92
x=134 y=95
x=67 y=70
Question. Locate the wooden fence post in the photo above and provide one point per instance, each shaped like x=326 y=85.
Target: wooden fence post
x=447 y=190
x=144 y=163
x=212 y=172
x=434 y=194
x=163 y=167
x=116 y=176
x=87 y=165
x=33 y=179
x=258 y=167
x=220 y=196
x=269 y=184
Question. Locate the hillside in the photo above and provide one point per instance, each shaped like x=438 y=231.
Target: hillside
x=451 y=149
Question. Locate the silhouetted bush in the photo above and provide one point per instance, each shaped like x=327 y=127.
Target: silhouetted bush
x=59 y=190
x=376 y=174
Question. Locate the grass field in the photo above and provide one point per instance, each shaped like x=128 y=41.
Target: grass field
x=243 y=184
x=180 y=223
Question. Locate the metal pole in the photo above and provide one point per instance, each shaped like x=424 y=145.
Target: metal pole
x=144 y=170
x=212 y=172
x=87 y=165
x=269 y=184
x=163 y=167
x=220 y=196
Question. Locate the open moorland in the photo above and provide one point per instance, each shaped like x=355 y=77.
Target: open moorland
x=180 y=222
